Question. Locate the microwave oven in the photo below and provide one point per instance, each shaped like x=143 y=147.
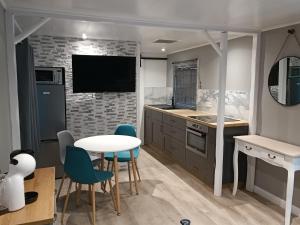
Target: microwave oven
x=50 y=75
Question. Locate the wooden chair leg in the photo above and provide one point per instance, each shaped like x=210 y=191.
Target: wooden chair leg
x=66 y=202
x=78 y=194
x=60 y=186
x=111 y=190
x=112 y=166
x=93 y=204
x=103 y=185
x=134 y=171
x=129 y=175
x=90 y=194
x=117 y=190
x=137 y=170
x=107 y=169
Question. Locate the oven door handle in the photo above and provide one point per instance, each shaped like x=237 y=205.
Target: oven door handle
x=198 y=133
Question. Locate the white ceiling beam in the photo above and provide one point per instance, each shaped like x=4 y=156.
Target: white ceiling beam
x=212 y=42
x=30 y=30
x=3 y=3
x=18 y=26
x=73 y=15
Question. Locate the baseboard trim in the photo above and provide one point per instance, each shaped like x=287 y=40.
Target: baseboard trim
x=274 y=199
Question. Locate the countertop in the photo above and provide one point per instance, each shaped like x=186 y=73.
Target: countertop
x=185 y=113
x=42 y=210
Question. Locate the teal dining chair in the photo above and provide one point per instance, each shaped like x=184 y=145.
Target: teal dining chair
x=65 y=138
x=124 y=156
x=79 y=168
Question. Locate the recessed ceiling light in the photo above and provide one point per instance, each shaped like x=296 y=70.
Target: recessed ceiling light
x=84 y=36
x=163 y=49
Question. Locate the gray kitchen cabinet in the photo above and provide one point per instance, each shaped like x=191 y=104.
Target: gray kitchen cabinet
x=201 y=166
x=157 y=135
x=174 y=132
x=153 y=129
x=204 y=167
x=147 y=127
x=166 y=134
x=175 y=149
x=174 y=121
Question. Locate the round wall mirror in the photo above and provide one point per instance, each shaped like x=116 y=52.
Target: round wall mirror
x=284 y=81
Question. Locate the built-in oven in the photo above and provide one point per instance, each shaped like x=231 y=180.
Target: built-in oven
x=196 y=138
x=49 y=75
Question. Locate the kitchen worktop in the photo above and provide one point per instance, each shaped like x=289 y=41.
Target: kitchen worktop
x=185 y=113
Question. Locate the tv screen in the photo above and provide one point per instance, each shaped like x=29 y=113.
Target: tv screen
x=93 y=73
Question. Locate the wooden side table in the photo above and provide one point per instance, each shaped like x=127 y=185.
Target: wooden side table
x=41 y=211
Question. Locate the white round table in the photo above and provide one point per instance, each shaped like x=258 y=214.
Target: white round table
x=112 y=143
x=108 y=143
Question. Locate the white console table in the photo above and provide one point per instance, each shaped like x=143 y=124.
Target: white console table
x=274 y=152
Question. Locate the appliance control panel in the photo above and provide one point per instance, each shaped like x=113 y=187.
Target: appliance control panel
x=197 y=127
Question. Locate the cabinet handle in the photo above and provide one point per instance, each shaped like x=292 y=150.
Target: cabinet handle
x=248 y=148
x=271 y=157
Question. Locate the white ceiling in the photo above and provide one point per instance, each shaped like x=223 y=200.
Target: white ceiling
x=145 y=35
x=232 y=15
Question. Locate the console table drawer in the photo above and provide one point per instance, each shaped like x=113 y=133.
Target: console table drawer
x=259 y=152
x=249 y=149
x=272 y=157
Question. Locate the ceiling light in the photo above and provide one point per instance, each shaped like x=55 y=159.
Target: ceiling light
x=84 y=36
x=163 y=49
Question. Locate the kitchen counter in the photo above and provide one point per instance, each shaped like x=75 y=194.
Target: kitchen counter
x=185 y=113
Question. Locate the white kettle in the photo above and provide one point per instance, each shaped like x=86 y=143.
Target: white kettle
x=12 y=186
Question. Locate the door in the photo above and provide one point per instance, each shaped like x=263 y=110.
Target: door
x=51 y=107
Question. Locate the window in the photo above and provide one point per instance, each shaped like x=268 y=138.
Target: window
x=185 y=85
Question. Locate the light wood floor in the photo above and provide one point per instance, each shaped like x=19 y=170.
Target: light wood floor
x=167 y=194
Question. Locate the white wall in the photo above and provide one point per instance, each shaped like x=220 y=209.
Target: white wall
x=5 y=125
x=238 y=66
x=275 y=120
x=155 y=73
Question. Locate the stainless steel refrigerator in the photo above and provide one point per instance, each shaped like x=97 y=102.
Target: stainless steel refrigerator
x=51 y=114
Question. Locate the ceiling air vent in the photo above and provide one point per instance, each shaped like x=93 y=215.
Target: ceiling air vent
x=164 y=41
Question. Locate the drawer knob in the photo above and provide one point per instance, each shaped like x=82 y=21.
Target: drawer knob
x=248 y=148
x=271 y=157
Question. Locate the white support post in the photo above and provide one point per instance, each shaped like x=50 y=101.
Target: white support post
x=221 y=113
x=256 y=51
x=13 y=81
x=139 y=93
x=256 y=45
x=30 y=31
x=212 y=42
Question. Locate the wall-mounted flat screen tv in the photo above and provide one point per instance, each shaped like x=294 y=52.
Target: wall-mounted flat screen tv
x=93 y=73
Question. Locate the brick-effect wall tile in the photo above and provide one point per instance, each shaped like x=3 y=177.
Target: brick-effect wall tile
x=87 y=114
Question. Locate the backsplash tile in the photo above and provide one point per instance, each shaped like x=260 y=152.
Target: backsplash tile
x=88 y=113
x=158 y=95
x=236 y=102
